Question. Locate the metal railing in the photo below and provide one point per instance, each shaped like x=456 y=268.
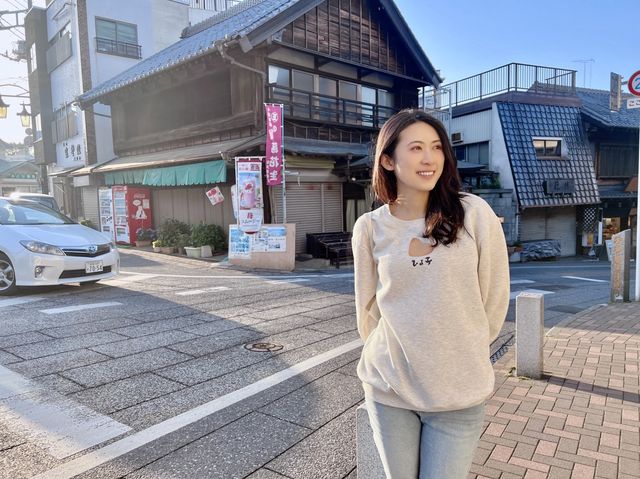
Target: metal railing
x=325 y=108
x=213 y=5
x=513 y=77
x=123 y=49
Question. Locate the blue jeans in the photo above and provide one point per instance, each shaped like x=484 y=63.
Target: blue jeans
x=423 y=445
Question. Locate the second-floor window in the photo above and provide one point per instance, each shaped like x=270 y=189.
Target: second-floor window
x=117 y=38
x=64 y=125
x=317 y=97
x=473 y=153
x=59 y=48
x=618 y=161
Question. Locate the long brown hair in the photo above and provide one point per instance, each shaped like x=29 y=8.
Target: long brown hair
x=445 y=213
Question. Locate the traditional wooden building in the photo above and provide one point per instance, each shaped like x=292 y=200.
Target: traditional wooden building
x=340 y=67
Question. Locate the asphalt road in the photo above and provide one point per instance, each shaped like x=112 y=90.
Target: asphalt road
x=150 y=376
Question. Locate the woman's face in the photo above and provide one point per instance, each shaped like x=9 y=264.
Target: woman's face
x=418 y=159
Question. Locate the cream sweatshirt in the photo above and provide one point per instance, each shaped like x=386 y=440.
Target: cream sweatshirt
x=427 y=318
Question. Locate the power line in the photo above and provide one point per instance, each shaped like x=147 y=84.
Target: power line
x=11 y=28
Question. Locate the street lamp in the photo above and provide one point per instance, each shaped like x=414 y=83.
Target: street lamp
x=3 y=108
x=25 y=117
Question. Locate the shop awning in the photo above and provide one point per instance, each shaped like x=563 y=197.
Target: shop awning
x=176 y=156
x=181 y=175
x=303 y=146
x=64 y=172
x=85 y=170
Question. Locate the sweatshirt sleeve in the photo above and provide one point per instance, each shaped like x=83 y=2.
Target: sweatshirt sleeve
x=365 y=278
x=493 y=268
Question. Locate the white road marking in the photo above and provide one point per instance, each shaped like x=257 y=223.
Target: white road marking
x=514 y=294
x=202 y=291
x=586 y=279
x=521 y=281
x=52 y=421
x=244 y=277
x=16 y=301
x=80 y=307
x=130 y=278
x=140 y=438
x=288 y=280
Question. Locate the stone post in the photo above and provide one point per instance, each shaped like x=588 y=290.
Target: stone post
x=529 y=334
x=368 y=459
x=620 y=267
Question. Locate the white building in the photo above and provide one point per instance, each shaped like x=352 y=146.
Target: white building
x=75 y=46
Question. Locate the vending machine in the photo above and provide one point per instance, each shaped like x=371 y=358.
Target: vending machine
x=130 y=208
x=105 y=199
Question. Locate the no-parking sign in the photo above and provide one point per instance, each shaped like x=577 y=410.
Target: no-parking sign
x=634 y=83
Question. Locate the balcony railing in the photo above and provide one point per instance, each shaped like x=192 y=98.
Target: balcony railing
x=213 y=5
x=329 y=109
x=514 y=77
x=122 y=49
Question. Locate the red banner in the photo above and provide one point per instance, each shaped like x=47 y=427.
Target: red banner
x=275 y=150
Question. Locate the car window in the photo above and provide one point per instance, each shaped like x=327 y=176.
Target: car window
x=30 y=213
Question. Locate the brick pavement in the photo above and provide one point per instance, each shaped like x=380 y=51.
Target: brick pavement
x=582 y=419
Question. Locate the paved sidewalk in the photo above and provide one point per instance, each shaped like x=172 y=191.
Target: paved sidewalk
x=582 y=419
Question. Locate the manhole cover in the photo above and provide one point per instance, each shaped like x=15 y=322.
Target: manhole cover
x=263 y=347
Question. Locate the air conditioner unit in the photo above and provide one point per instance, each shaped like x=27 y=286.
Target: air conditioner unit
x=456 y=137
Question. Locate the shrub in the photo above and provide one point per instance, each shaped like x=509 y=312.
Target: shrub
x=212 y=235
x=171 y=231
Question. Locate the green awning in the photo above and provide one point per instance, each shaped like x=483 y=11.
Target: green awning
x=181 y=175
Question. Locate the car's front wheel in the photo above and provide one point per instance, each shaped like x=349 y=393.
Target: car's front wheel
x=7 y=276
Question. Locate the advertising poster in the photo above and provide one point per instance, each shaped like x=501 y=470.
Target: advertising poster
x=249 y=193
x=215 y=196
x=239 y=243
x=274 y=146
x=270 y=239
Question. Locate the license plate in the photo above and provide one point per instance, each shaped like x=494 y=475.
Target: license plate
x=93 y=267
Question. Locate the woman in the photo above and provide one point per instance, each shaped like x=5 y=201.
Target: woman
x=432 y=291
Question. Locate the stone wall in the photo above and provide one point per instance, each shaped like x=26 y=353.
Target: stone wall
x=503 y=204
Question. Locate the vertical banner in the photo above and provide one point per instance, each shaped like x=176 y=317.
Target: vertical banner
x=249 y=193
x=274 y=147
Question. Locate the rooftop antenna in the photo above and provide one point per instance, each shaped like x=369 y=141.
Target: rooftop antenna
x=584 y=62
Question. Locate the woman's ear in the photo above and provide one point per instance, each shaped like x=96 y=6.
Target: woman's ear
x=387 y=162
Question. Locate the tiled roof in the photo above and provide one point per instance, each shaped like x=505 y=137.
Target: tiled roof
x=6 y=166
x=252 y=21
x=199 y=39
x=595 y=105
x=522 y=122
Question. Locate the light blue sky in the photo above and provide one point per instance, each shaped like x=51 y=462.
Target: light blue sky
x=465 y=37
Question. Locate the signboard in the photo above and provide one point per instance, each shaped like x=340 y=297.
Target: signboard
x=249 y=193
x=634 y=83
x=274 y=147
x=633 y=103
x=559 y=186
x=239 y=243
x=215 y=195
x=269 y=239
x=615 y=93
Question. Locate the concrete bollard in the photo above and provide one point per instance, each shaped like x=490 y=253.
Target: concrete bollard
x=368 y=459
x=529 y=334
x=620 y=267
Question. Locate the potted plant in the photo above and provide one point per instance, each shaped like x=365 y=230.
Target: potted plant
x=144 y=236
x=157 y=245
x=208 y=238
x=173 y=234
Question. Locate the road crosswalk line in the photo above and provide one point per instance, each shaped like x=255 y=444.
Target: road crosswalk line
x=79 y=307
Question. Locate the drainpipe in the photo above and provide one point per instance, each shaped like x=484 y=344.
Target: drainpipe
x=222 y=49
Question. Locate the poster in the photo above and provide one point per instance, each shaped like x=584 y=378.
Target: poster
x=239 y=243
x=269 y=239
x=274 y=147
x=249 y=193
x=215 y=196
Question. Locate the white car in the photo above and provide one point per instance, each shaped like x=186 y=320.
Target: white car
x=39 y=247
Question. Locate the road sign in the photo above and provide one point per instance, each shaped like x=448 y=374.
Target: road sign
x=633 y=103
x=634 y=83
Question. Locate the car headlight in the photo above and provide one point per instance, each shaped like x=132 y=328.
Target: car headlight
x=42 y=248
